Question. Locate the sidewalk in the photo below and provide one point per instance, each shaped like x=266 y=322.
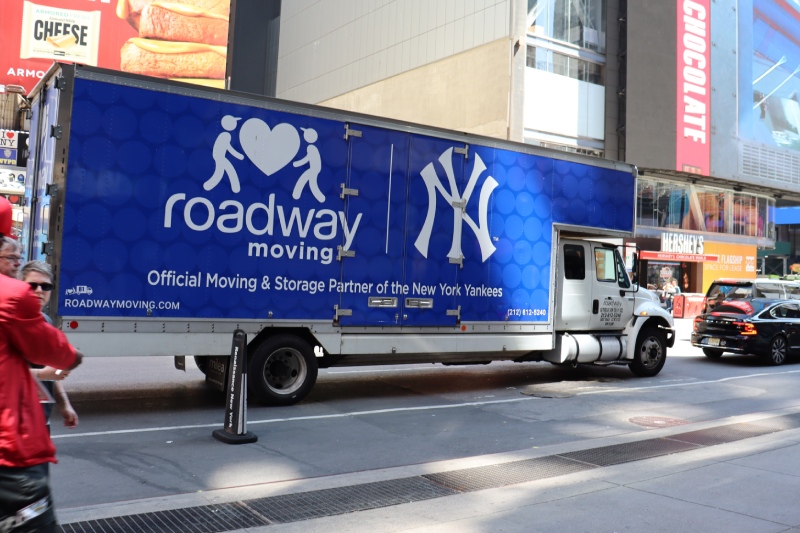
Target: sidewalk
x=734 y=474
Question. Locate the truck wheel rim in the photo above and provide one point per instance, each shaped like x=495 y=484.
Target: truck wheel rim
x=285 y=371
x=651 y=352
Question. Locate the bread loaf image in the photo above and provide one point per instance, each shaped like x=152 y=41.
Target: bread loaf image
x=180 y=22
x=167 y=59
x=132 y=10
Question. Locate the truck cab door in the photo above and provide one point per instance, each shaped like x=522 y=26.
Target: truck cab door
x=612 y=293
x=574 y=286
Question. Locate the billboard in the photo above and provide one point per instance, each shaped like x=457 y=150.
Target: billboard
x=692 y=152
x=769 y=67
x=733 y=261
x=186 y=40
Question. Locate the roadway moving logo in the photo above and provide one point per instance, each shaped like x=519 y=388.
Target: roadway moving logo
x=459 y=203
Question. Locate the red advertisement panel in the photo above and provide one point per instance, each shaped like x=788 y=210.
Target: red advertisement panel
x=178 y=39
x=692 y=151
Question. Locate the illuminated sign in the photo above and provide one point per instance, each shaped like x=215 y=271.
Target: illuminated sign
x=692 y=153
x=186 y=40
x=681 y=243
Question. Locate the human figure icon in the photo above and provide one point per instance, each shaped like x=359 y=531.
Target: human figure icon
x=314 y=166
x=223 y=147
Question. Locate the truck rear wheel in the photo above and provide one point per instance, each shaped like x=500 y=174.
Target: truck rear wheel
x=282 y=370
x=650 y=354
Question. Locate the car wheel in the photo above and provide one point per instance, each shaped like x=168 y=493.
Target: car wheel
x=650 y=354
x=711 y=353
x=282 y=370
x=778 y=350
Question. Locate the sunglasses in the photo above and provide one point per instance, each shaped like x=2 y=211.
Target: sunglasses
x=45 y=286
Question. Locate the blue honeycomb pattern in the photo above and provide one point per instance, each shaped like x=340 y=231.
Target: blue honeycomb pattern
x=144 y=237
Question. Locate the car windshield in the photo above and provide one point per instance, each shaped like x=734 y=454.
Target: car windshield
x=768 y=290
x=730 y=292
x=793 y=291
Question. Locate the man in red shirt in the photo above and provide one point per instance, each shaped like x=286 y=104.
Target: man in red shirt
x=25 y=445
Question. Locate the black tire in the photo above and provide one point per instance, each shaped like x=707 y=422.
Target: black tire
x=282 y=370
x=202 y=363
x=712 y=353
x=778 y=350
x=650 y=354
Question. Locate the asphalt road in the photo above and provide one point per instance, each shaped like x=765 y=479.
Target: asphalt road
x=145 y=428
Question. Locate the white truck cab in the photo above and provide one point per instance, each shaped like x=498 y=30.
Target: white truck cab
x=601 y=315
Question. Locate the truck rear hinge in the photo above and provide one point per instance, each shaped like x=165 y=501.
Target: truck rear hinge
x=462 y=204
x=456 y=313
x=55 y=131
x=60 y=83
x=457 y=261
x=342 y=253
x=347 y=192
x=47 y=248
x=350 y=132
x=463 y=151
x=51 y=189
x=337 y=313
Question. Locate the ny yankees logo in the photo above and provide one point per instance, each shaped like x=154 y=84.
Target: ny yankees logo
x=459 y=204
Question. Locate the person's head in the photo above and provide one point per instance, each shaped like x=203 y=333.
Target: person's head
x=40 y=277
x=9 y=257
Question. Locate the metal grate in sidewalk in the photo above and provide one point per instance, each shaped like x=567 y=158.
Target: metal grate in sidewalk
x=628 y=452
x=203 y=519
x=340 y=500
x=329 y=502
x=723 y=434
x=492 y=476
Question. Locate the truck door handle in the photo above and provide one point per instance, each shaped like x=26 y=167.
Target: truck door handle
x=595 y=306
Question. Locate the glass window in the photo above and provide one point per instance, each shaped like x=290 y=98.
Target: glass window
x=606 y=264
x=622 y=273
x=564 y=65
x=667 y=204
x=574 y=262
x=578 y=22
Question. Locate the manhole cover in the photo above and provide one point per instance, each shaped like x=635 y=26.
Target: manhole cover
x=656 y=421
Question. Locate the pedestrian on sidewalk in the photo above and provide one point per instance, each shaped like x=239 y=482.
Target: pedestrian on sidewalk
x=39 y=275
x=25 y=445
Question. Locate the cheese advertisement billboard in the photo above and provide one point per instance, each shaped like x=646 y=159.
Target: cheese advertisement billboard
x=186 y=40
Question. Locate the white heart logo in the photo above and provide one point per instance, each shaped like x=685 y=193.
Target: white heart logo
x=269 y=149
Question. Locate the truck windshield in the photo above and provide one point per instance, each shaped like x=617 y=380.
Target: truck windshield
x=622 y=273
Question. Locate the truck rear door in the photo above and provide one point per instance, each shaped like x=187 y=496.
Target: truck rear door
x=375 y=191
x=433 y=227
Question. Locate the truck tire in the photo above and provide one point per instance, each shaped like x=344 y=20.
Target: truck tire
x=282 y=370
x=202 y=363
x=712 y=353
x=650 y=354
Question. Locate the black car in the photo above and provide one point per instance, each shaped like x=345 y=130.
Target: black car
x=765 y=327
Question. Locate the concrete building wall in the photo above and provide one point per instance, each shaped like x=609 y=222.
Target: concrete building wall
x=332 y=47
x=467 y=92
x=612 y=119
x=651 y=90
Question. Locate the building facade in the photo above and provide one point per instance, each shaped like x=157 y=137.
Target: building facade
x=700 y=95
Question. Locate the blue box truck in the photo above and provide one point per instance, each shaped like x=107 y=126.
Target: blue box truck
x=175 y=214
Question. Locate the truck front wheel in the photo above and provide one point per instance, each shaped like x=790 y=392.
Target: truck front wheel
x=650 y=354
x=282 y=370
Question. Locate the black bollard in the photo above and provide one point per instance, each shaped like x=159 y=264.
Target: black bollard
x=235 y=427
